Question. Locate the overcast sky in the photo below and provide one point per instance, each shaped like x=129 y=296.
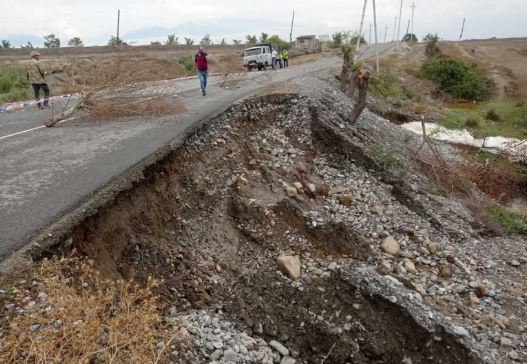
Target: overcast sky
x=143 y=21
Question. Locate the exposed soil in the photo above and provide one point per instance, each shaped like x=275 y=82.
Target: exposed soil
x=286 y=174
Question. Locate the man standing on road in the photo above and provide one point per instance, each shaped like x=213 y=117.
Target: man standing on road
x=285 y=57
x=36 y=77
x=273 y=57
x=201 y=63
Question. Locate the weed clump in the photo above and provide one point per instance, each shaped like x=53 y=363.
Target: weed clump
x=512 y=221
x=492 y=115
x=472 y=122
x=459 y=78
x=187 y=61
x=69 y=314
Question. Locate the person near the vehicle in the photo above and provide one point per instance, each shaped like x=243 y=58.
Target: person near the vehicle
x=279 y=59
x=36 y=76
x=285 y=57
x=273 y=57
x=201 y=63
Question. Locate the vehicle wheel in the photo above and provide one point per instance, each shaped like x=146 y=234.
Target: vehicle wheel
x=260 y=68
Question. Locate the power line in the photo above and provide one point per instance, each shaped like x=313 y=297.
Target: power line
x=399 y=27
x=462 y=29
x=291 y=33
x=360 y=29
x=376 y=40
x=118 y=24
x=413 y=9
x=394 y=27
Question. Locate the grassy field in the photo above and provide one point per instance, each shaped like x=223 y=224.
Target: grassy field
x=494 y=118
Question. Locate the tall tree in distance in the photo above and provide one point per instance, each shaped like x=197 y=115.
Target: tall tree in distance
x=75 y=42
x=172 y=40
x=189 y=41
x=264 y=37
x=6 y=44
x=206 y=41
x=251 y=39
x=51 y=41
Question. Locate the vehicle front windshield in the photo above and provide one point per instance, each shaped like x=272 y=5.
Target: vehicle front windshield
x=253 y=52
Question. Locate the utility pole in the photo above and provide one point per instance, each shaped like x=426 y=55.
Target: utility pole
x=376 y=40
x=291 y=33
x=408 y=27
x=369 y=36
x=385 y=33
x=462 y=29
x=399 y=27
x=118 y=23
x=394 y=28
x=413 y=9
x=360 y=30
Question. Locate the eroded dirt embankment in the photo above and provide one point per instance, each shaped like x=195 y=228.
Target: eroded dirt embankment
x=260 y=181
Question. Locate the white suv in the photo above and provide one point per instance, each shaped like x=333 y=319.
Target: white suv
x=259 y=57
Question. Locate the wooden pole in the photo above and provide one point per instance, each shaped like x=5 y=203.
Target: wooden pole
x=376 y=40
x=360 y=30
x=399 y=27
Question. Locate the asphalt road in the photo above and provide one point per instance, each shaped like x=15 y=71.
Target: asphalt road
x=47 y=172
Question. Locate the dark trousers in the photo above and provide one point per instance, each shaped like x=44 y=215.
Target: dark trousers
x=286 y=62
x=45 y=88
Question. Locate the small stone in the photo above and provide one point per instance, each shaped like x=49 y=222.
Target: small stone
x=481 y=290
x=290 y=266
x=216 y=355
x=311 y=187
x=505 y=341
x=473 y=299
x=288 y=360
x=378 y=210
x=514 y=355
x=298 y=185
x=291 y=191
x=279 y=347
x=424 y=251
x=460 y=331
x=345 y=200
x=390 y=246
x=333 y=266
x=410 y=267
x=356 y=306
x=444 y=270
x=515 y=263
x=433 y=247
x=230 y=356
x=217 y=344
x=258 y=328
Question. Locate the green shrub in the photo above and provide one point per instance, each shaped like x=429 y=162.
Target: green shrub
x=512 y=221
x=385 y=86
x=187 y=61
x=459 y=78
x=13 y=85
x=472 y=122
x=492 y=115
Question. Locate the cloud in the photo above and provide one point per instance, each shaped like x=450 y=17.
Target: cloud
x=95 y=21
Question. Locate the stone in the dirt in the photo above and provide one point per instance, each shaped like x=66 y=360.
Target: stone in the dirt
x=216 y=355
x=332 y=266
x=505 y=341
x=410 y=267
x=345 y=200
x=230 y=355
x=515 y=263
x=433 y=247
x=298 y=185
x=460 y=331
x=514 y=355
x=288 y=360
x=290 y=266
x=311 y=187
x=390 y=246
x=291 y=191
x=379 y=210
x=444 y=270
x=279 y=347
x=481 y=290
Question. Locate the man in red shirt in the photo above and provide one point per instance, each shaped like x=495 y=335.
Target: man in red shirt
x=200 y=61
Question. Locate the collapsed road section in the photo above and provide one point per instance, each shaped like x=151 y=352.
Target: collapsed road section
x=279 y=236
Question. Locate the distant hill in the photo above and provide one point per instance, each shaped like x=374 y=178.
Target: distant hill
x=21 y=39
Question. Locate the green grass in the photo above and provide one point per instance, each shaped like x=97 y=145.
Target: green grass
x=435 y=190
x=512 y=221
x=390 y=88
x=13 y=85
x=509 y=119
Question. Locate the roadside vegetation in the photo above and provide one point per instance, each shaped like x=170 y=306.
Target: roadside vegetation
x=13 y=85
x=64 y=311
x=493 y=118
